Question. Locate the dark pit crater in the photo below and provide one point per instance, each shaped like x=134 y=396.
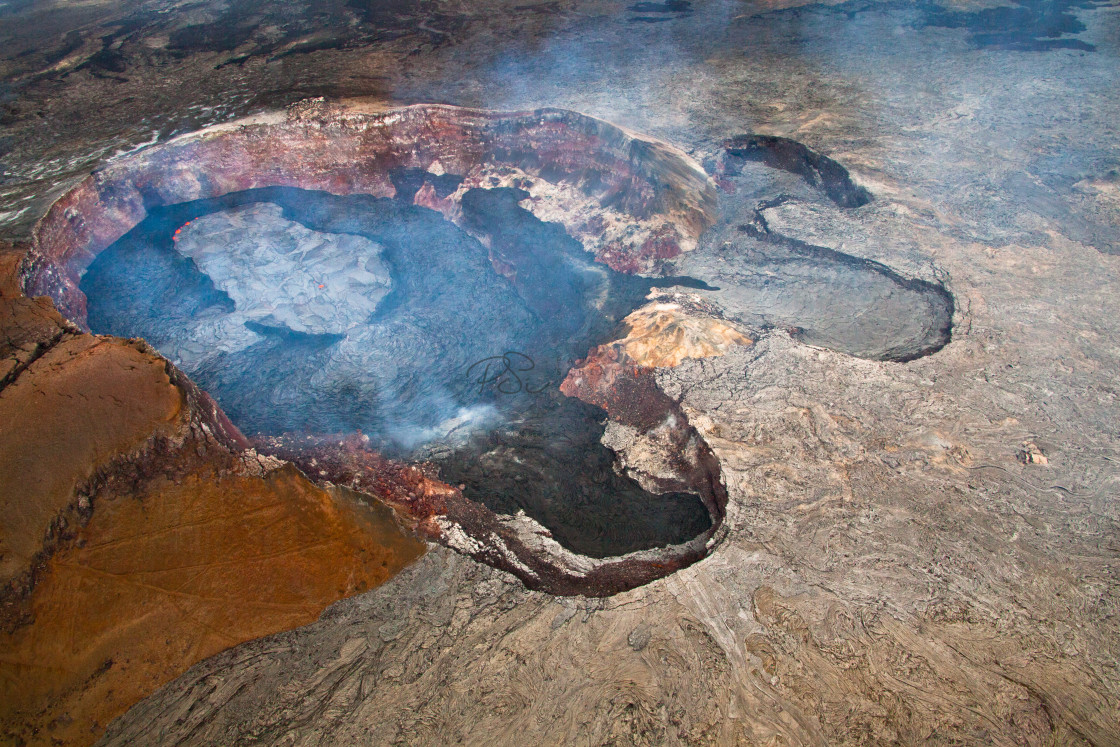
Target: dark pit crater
x=822 y=296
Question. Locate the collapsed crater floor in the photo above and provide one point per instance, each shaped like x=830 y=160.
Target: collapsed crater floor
x=304 y=312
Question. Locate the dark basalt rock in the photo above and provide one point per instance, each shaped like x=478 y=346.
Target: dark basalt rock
x=789 y=155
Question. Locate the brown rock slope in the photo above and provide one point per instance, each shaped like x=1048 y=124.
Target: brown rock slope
x=139 y=535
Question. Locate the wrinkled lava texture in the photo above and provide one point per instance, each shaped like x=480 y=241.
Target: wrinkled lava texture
x=458 y=364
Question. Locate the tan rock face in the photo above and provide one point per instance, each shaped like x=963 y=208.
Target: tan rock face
x=662 y=335
x=158 y=581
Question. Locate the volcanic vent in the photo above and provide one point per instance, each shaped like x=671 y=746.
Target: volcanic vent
x=400 y=301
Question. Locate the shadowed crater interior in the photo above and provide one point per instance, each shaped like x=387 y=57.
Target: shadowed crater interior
x=306 y=312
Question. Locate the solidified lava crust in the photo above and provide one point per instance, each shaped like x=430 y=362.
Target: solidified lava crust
x=632 y=202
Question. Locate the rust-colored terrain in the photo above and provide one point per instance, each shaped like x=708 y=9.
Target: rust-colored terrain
x=139 y=535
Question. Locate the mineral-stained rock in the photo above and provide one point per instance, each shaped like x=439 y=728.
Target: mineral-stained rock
x=50 y=445
x=664 y=333
x=30 y=327
x=140 y=534
x=159 y=580
x=656 y=427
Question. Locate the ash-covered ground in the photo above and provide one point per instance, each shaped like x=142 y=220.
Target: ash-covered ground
x=918 y=551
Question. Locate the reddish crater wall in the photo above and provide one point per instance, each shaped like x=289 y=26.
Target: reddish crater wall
x=631 y=200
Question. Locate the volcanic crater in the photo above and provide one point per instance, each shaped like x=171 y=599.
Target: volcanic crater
x=404 y=301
